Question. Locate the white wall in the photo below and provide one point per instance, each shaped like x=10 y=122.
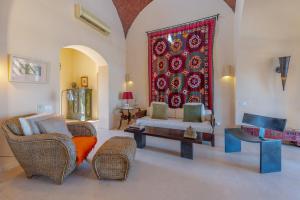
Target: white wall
x=163 y=13
x=39 y=29
x=3 y=59
x=66 y=72
x=3 y=77
x=269 y=29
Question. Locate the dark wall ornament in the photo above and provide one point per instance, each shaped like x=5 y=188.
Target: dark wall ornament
x=283 y=69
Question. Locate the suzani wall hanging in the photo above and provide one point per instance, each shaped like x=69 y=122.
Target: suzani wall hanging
x=181 y=63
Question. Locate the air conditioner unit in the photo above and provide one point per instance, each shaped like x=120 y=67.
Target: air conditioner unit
x=88 y=18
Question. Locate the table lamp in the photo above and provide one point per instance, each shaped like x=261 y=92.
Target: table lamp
x=127 y=96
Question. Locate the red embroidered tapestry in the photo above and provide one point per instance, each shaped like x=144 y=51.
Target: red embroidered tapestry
x=181 y=63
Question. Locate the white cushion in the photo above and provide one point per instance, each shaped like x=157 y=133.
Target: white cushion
x=202 y=110
x=158 y=102
x=149 y=111
x=171 y=113
x=193 y=103
x=175 y=124
x=179 y=113
x=207 y=115
x=29 y=124
x=54 y=125
x=25 y=126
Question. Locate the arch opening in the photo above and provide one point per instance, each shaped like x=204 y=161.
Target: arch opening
x=79 y=61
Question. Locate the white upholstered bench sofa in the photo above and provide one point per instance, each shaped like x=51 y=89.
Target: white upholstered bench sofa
x=175 y=121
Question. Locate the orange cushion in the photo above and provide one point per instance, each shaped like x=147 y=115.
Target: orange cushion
x=83 y=146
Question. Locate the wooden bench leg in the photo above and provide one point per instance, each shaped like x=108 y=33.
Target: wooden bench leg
x=187 y=150
x=213 y=140
x=140 y=140
x=208 y=137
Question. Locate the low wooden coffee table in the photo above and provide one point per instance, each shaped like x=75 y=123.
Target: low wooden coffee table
x=173 y=134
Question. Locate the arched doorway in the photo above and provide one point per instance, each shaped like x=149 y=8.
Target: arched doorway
x=97 y=68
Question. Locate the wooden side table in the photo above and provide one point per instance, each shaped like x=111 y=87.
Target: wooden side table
x=129 y=116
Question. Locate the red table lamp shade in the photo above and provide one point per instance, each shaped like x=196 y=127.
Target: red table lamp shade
x=127 y=95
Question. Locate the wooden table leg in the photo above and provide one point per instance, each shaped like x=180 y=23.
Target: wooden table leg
x=210 y=137
x=120 y=123
x=128 y=117
x=140 y=140
x=187 y=150
x=122 y=117
x=212 y=140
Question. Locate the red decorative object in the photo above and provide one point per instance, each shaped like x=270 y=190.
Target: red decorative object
x=181 y=63
x=292 y=136
x=127 y=95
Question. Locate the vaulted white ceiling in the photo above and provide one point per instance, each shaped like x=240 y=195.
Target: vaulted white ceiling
x=128 y=10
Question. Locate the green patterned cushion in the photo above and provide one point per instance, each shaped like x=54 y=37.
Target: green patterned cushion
x=192 y=112
x=159 y=110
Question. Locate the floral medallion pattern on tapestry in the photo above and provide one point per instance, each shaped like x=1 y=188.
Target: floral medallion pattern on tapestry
x=176 y=64
x=181 y=64
x=161 y=83
x=162 y=65
x=176 y=82
x=161 y=47
x=176 y=100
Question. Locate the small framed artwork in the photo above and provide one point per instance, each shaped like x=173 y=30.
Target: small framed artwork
x=27 y=70
x=84 y=81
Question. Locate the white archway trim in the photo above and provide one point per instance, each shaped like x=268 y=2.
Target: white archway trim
x=103 y=84
x=95 y=56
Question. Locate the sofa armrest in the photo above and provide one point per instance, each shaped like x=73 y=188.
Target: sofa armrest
x=45 y=154
x=82 y=129
x=55 y=140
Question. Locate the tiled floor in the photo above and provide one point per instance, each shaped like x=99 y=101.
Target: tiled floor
x=159 y=173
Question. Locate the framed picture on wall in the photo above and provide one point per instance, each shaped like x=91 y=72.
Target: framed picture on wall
x=27 y=70
x=84 y=81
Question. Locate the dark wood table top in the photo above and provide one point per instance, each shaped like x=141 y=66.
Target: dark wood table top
x=173 y=134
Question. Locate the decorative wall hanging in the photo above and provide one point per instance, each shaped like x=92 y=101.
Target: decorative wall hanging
x=26 y=70
x=283 y=69
x=181 y=63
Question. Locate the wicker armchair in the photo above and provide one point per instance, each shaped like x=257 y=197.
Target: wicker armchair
x=52 y=155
